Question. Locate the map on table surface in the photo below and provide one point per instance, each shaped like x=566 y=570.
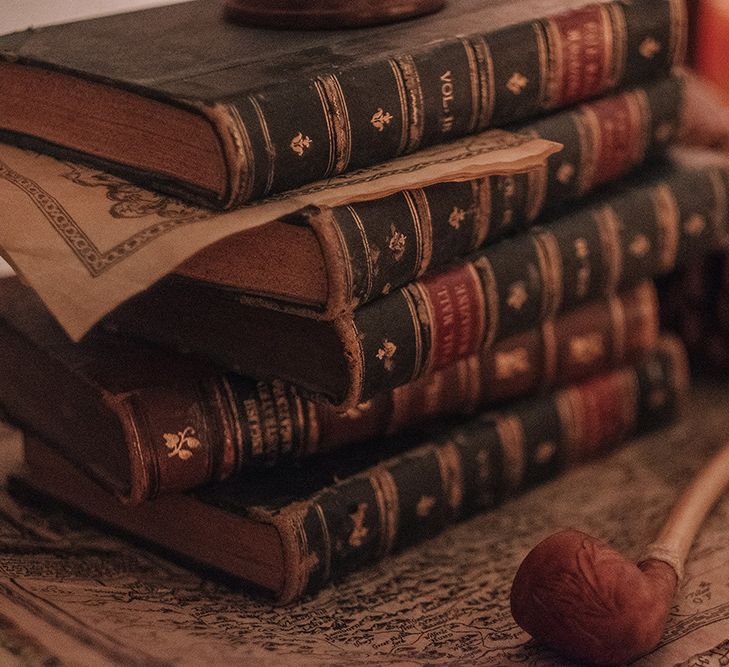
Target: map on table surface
x=71 y=594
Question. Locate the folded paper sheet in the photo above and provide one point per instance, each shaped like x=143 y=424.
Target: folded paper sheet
x=86 y=241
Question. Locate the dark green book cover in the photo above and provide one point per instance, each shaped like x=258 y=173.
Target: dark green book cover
x=181 y=100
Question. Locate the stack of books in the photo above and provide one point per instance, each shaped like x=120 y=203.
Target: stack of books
x=300 y=399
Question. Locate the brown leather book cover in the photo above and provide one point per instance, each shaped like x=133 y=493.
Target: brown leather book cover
x=643 y=228
x=290 y=533
x=170 y=423
x=193 y=105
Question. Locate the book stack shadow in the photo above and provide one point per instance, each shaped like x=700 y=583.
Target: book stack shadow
x=302 y=398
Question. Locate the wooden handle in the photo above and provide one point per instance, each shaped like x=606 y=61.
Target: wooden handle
x=675 y=538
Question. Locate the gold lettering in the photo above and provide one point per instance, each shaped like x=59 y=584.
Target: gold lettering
x=465 y=314
x=254 y=426
x=446 y=97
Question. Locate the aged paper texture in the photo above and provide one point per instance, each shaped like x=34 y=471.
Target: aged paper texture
x=69 y=591
x=86 y=241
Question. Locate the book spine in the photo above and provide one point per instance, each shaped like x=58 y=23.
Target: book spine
x=473 y=467
x=365 y=114
x=592 y=339
x=695 y=305
x=633 y=234
x=183 y=436
x=383 y=244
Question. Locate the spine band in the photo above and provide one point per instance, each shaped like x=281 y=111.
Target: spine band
x=446 y=90
x=633 y=234
x=416 y=495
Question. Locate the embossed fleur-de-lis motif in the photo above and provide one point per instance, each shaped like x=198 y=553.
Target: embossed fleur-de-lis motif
x=181 y=443
x=663 y=132
x=649 y=47
x=639 y=246
x=695 y=224
x=582 y=250
x=516 y=83
x=300 y=143
x=396 y=243
x=424 y=506
x=565 y=172
x=457 y=216
x=381 y=118
x=359 y=530
x=545 y=451
x=358 y=410
x=509 y=364
x=386 y=353
x=517 y=295
x=585 y=349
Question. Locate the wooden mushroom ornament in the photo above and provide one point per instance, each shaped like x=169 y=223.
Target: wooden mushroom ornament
x=584 y=599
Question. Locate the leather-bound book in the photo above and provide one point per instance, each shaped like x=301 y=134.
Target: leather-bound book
x=326 y=14
x=169 y=423
x=190 y=104
x=695 y=305
x=291 y=532
x=638 y=230
x=322 y=262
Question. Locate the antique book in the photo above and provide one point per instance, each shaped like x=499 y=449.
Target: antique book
x=640 y=229
x=170 y=424
x=237 y=113
x=695 y=305
x=290 y=534
x=323 y=261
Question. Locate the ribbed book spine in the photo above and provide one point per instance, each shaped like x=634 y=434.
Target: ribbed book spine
x=473 y=467
x=635 y=233
x=368 y=113
x=695 y=305
x=386 y=243
x=184 y=435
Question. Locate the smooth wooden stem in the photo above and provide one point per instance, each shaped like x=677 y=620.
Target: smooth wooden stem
x=678 y=532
